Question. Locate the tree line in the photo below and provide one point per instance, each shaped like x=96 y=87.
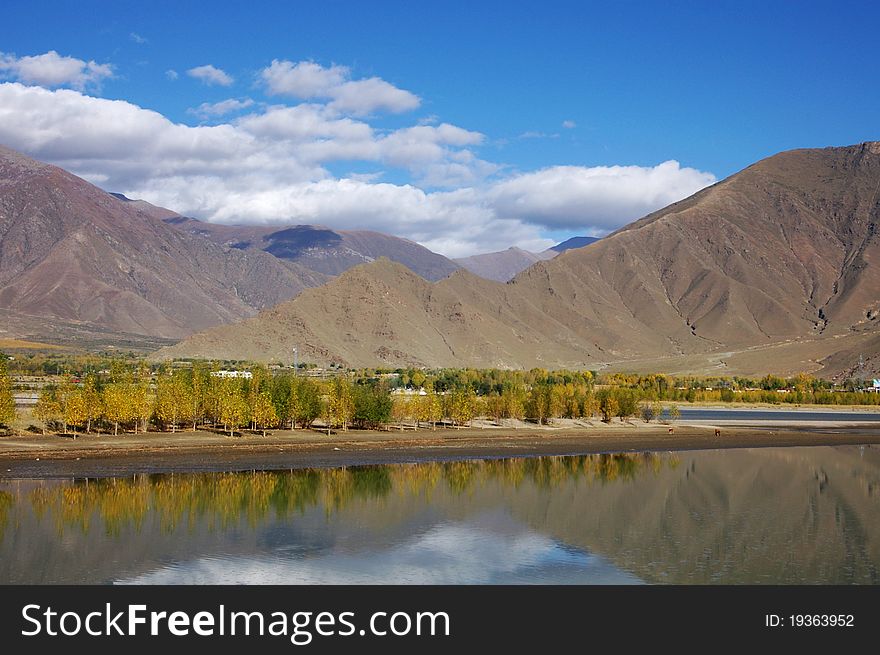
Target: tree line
x=136 y=400
x=134 y=396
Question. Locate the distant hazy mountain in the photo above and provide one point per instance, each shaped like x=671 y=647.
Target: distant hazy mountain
x=502 y=265
x=574 y=242
x=784 y=252
x=321 y=249
x=505 y=264
x=71 y=253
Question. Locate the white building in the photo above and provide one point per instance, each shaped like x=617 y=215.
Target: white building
x=233 y=374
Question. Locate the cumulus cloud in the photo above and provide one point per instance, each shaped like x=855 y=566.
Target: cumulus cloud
x=600 y=197
x=273 y=165
x=171 y=74
x=208 y=110
x=53 y=70
x=137 y=38
x=307 y=80
x=569 y=125
x=211 y=75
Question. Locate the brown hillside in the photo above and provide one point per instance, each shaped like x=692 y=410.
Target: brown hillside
x=329 y=252
x=782 y=251
x=70 y=251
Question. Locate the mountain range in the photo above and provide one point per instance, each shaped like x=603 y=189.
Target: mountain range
x=503 y=265
x=775 y=266
x=782 y=255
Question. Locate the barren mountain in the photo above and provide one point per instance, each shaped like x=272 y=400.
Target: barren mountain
x=71 y=252
x=321 y=249
x=504 y=264
x=568 y=244
x=782 y=251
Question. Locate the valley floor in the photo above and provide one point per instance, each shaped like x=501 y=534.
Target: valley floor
x=52 y=456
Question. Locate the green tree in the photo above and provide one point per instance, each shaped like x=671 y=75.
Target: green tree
x=372 y=406
x=627 y=403
x=306 y=403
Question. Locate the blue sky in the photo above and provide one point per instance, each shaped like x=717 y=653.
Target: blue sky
x=564 y=111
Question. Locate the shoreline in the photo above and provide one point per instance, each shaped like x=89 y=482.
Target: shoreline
x=51 y=456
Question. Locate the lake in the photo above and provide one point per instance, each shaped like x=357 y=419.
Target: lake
x=762 y=516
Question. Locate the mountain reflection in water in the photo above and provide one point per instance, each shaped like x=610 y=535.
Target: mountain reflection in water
x=796 y=515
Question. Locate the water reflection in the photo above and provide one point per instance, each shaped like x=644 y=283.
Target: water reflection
x=224 y=499
x=448 y=553
x=808 y=515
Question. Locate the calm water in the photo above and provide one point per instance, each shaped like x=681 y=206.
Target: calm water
x=793 y=515
x=778 y=416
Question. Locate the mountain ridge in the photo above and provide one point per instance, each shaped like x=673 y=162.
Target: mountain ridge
x=783 y=251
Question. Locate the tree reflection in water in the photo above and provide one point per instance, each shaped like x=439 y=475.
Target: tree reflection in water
x=221 y=500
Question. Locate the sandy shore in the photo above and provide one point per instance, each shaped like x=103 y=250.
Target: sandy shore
x=105 y=455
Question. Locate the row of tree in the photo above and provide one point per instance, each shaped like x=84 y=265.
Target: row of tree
x=189 y=398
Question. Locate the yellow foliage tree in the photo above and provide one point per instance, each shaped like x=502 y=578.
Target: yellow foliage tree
x=117 y=404
x=48 y=409
x=264 y=411
x=7 y=400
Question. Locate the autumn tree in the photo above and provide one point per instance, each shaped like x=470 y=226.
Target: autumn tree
x=173 y=402
x=233 y=408
x=514 y=399
x=141 y=404
x=495 y=406
x=608 y=406
x=462 y=406
x=339 y=407
x=117 y=405
x=429 y=407
x=7 y=400
x=48 y=408
x=263 y=411
x=91 y=395
x=306 y=403
x=75 y=410
x=539 y=403
x=402 y=406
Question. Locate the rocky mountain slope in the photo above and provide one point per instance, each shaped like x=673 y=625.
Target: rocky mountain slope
x=783 y=251
x=72 y=253
x=326 y=251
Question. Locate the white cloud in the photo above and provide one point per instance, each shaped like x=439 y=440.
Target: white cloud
x=208 y=110
x=53 y=70
x=273 y=165
x=307 y=80
x=171 y=74
x=569 y=125
x=137 y=38
x=211 y=75
x=533 y=134
x=599 y=198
